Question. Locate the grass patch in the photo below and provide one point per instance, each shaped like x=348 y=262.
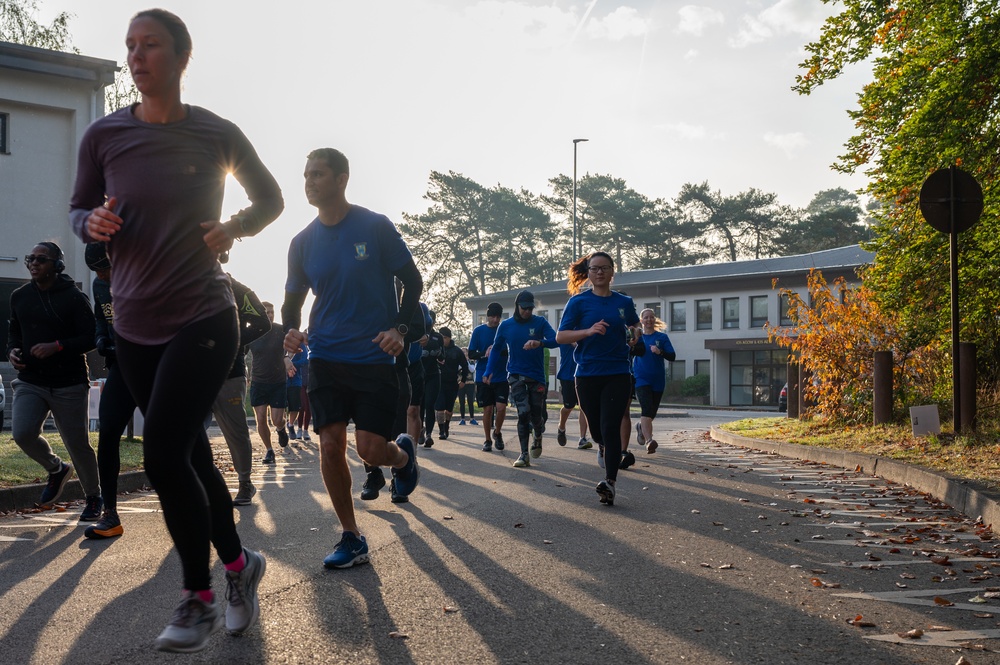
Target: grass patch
x=974 y=457
x=16 y=468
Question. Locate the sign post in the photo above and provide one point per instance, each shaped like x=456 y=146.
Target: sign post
x=952 y=201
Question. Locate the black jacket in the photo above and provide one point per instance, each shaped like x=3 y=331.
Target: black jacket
x=253 y=323
x=104 y=316
x=62 y=313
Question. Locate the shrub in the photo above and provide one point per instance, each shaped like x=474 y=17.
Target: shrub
x=696 y=386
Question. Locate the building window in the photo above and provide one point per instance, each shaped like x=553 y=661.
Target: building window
x=656 y=307
x=678 y=316
x=675 y=371
x=756 y=377
x=730 y=313
x=703 y=367
x=4 y=124
x=785 y=320
x=758 y=311
x=703 y=314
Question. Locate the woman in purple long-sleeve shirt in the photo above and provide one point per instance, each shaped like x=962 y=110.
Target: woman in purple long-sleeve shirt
x=150 y=183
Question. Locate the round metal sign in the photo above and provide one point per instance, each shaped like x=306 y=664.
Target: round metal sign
x=941 y=189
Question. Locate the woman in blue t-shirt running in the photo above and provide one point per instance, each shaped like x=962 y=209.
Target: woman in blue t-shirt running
x=602 y=324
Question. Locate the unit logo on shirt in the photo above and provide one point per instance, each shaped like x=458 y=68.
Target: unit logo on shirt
x=531 y=332
x=621 y=312
x=361 y=251
x=248 y=307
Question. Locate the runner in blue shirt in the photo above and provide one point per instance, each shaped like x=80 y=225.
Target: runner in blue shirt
x=524 y=335
x=598 y=321
x=349 y=256
x=650 y=377
x=567 y=386
x=492 y=397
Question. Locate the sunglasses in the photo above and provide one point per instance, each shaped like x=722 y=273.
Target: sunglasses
x=37 y=258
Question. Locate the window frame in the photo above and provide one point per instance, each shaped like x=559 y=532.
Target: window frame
x=698 y=324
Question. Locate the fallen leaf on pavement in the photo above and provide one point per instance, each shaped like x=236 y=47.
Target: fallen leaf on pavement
x=860 y=622
x=519 y=525
x=547 y=542
x=943 y=602
x=396 y=635
x=978 y=600
x=448 y=517
x=448 y=609
x=914 y=634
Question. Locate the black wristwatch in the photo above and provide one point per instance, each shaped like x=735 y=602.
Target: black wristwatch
x=402 y=329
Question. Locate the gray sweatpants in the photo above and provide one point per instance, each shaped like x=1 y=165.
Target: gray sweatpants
x=232 y=420
x=29 y=409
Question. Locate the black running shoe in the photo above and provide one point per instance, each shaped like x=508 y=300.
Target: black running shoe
x=373 y=483
x=498 y=439
x=282 y=437
x=395 y=496
x=92 y=511
x=628 y=459
x=55 y=485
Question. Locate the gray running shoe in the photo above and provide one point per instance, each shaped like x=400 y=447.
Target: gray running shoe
x=192 y=624
x=584 y=444
x=651 y=446
x=245 y=493
x=640 y=439
x=536 y=446
x=522 y=460
x=241 y=593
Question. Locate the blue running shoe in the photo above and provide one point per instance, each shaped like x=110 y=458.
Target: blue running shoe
x=407 y=477
x=350 y=550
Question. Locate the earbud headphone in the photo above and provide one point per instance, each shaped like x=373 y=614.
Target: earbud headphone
x=60 y=264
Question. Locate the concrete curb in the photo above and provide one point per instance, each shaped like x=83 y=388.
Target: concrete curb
x=23 y=497
x=968 y=497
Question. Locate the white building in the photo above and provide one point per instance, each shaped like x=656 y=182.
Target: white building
x=715 y=315
x=47 y=100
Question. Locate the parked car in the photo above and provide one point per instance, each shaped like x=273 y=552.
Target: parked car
x=783 y=399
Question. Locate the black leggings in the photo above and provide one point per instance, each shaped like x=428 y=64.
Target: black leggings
x=174 y=385
x=604 y=399
x=432 y=386
x=116 y=409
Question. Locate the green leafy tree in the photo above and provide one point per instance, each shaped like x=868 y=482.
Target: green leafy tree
x=474 y=240
x=933 y=102
x=832 y=219
x=744 y=226
x=19 y=25
x=611 y=216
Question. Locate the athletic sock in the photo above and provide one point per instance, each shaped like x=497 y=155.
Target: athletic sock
x=205 y=595
x=238 y=565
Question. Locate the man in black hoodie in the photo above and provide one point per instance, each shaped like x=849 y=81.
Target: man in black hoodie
x=51 y=328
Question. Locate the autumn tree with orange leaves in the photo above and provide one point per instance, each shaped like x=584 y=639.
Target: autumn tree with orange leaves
x=835 y=333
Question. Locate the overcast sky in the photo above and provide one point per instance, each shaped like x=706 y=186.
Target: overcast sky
x=666 y=92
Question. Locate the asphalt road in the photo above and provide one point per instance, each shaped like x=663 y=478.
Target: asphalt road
x=711 y=554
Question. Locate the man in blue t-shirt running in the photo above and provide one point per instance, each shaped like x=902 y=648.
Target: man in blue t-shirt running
x=349 y=256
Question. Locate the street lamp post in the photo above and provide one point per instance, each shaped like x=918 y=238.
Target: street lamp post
x=576 y=251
